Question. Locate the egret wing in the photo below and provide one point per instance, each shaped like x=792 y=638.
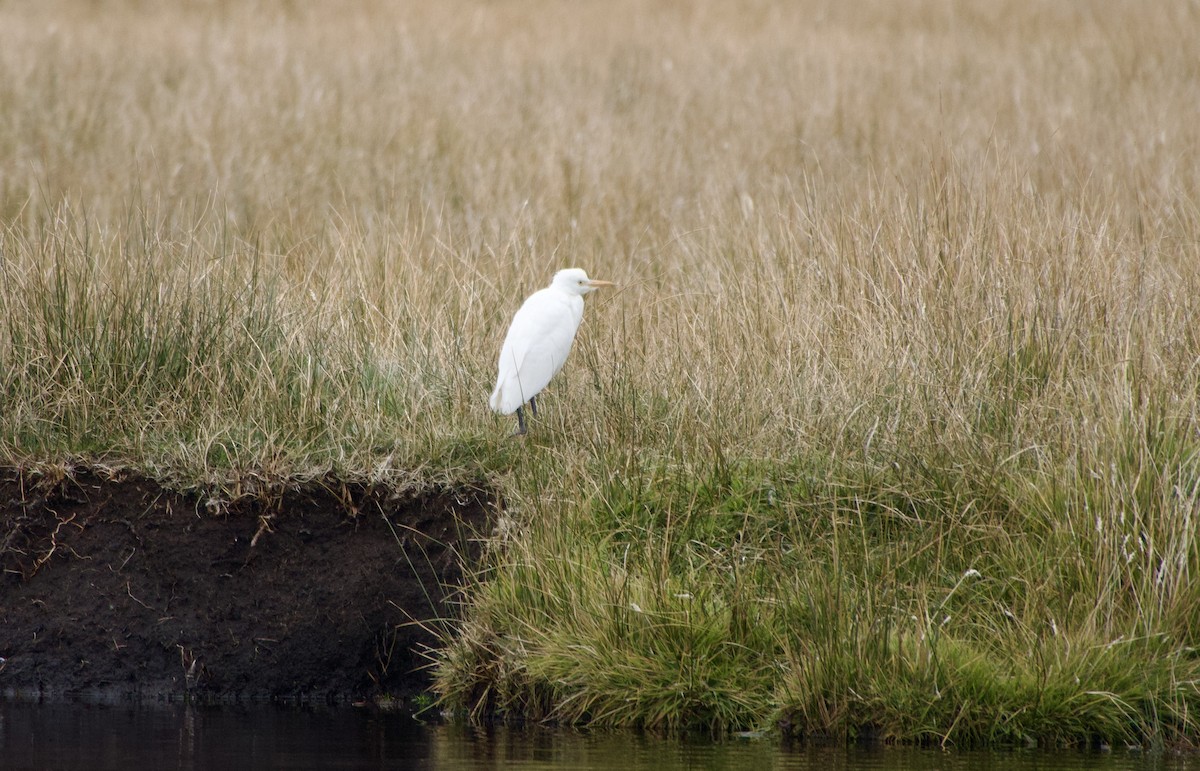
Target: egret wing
x=535 y=348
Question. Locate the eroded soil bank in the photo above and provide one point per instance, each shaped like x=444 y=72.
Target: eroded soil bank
x=115 y=587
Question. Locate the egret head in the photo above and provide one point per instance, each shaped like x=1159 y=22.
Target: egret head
x=576 y=281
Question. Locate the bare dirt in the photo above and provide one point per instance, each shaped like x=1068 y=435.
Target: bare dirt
x=114 y=587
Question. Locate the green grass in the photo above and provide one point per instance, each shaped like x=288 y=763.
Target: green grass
x=890 y=429
x=833 y=598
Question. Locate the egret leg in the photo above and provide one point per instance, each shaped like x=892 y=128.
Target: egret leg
x=533 y=405
x=521 y=430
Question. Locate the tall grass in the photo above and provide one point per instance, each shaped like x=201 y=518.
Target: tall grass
x=891 y=428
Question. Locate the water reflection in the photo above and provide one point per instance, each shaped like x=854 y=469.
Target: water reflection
x=96 y=736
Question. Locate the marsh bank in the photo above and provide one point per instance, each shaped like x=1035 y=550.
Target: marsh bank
x=115 y=586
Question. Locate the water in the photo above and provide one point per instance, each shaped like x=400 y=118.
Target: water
x=83 y=736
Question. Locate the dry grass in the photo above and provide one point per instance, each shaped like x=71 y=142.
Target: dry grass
x=933 y=262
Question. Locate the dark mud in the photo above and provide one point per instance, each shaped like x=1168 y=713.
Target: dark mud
x=114 y=587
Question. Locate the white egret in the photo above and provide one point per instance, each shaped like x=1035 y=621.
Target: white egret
x=539 y=340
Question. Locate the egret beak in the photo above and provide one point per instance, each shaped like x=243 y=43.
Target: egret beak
x=596 y=283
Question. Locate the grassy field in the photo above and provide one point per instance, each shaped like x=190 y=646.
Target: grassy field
x=891 y=428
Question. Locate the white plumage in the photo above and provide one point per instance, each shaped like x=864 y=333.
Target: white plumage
x=539 y=340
